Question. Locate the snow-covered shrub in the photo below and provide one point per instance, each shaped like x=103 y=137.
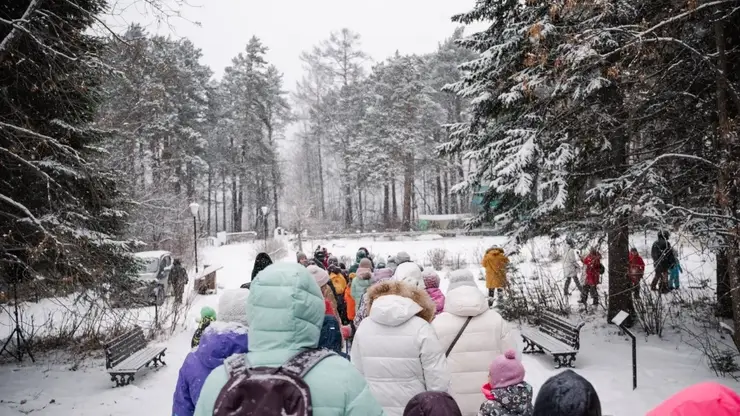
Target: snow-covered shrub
x=456 y=262
x=650 y=311
x=436 y=257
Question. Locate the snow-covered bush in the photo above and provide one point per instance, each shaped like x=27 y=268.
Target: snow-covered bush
x=436 y=258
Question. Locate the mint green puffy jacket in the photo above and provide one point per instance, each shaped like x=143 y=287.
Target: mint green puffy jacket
x=285 y=311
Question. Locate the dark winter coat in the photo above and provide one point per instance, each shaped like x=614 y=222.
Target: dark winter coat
x=260 y=263
x=204 y=322
x=567 y=394
x=662 y=254
x=178 y=276
x=513 y=400
x=432 y=403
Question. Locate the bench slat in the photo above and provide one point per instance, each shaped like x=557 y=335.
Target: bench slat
x=120 y=349
x=548 y=343
x=137 y=361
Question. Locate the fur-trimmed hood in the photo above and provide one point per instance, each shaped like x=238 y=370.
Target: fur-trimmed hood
x=393 y=303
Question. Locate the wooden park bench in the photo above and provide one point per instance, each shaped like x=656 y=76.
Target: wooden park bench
x=127 y=354
x=555 y=336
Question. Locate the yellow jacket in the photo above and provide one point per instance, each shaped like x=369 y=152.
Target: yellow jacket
x=495 y=262
x=338 y=281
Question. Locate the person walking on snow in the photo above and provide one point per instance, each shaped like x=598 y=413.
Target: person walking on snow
x=506 y=393
x=663 y=260
x=674 y=272
x=361 y=281
x=486 y=336
x=285 y=310
x=594 y=269
x=571 y=268
x=302 y=258
x=495 y=263
x=219 y=340
x=431 y=283
x=178 y=279
x=396 y=348
x=362 y=253
x=637 y=270
x=207 y=316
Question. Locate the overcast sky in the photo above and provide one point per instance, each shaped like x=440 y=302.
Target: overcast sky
x=289 y=27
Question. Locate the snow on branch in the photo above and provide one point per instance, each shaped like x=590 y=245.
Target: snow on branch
x=6 y=43
x=25 y=210
x=48 y=139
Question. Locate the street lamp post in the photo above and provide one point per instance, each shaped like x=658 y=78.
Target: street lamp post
x=265 y=210
x=194 y=210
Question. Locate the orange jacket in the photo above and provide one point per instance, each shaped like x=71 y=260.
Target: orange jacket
x=495 y=262
x=350 y=301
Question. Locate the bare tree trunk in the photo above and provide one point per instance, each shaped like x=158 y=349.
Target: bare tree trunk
x=462 y=198
x=394 y=200
x=725 y=182
x=386 y=207
x=321 y=178
x=447 y=192
x=348 y=206
x=438 y=184
x=234 y=205
x=408 y=193
x=359 y=209
x=223 y=196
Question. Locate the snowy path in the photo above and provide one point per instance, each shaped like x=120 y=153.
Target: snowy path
x=665 y=366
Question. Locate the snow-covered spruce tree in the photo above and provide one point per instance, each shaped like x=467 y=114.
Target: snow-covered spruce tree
x=155 y=106
x=60 y=213
x=548 y=122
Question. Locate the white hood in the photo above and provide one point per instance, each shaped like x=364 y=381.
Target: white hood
x=393 y=310
x=466 y=301
x=410 y=273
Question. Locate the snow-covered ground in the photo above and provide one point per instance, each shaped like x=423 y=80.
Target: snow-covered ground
x=57 y=385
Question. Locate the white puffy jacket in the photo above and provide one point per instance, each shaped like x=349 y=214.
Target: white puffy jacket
x=396 y=349
x=570 y=263
x=486 y=337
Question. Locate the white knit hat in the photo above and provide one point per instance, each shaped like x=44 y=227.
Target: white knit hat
x=232 y=306
x=462 y=277
x=410 y=273
x=319 y=274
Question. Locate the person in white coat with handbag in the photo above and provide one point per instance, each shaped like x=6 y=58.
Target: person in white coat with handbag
x=396 y=349
x=471 y=334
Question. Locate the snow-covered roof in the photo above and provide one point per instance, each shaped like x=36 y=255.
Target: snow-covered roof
x=150 y=254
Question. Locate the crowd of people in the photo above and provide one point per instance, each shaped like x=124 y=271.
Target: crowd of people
x=275 y=347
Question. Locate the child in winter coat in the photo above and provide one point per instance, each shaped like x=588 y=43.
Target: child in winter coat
x=673 y=273
x=699 y=400
x=219 y=340
x=507 y=394
x=637 y=270
x=593 y=276
x=431 y=282
x=207 y=315
x=331 y=335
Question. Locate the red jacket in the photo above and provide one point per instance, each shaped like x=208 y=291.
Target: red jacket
x=637 y=267
x=592 y=263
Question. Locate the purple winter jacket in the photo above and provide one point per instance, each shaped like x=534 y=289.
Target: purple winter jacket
x=219 y=341
x=438 y=297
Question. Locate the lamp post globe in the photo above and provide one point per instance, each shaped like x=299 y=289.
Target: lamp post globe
x=194 y=209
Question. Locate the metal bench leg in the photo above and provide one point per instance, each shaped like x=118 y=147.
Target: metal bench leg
x=564 y=360
x=531 y=348
x=158 y=360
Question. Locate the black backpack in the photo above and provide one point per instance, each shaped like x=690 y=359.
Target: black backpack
x=268 y=391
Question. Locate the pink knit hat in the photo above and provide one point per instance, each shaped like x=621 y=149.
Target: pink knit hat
x=506 y=370
x=431 y=278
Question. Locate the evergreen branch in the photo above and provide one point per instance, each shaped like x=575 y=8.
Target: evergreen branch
x=47 y=139
x=23 y=209
x=8 y=41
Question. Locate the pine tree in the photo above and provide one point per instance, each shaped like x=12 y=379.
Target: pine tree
x=59 y=208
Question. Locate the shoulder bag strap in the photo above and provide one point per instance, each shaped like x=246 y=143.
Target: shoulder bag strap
x=237 y=364
x=304 y=361
x=457 y=337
